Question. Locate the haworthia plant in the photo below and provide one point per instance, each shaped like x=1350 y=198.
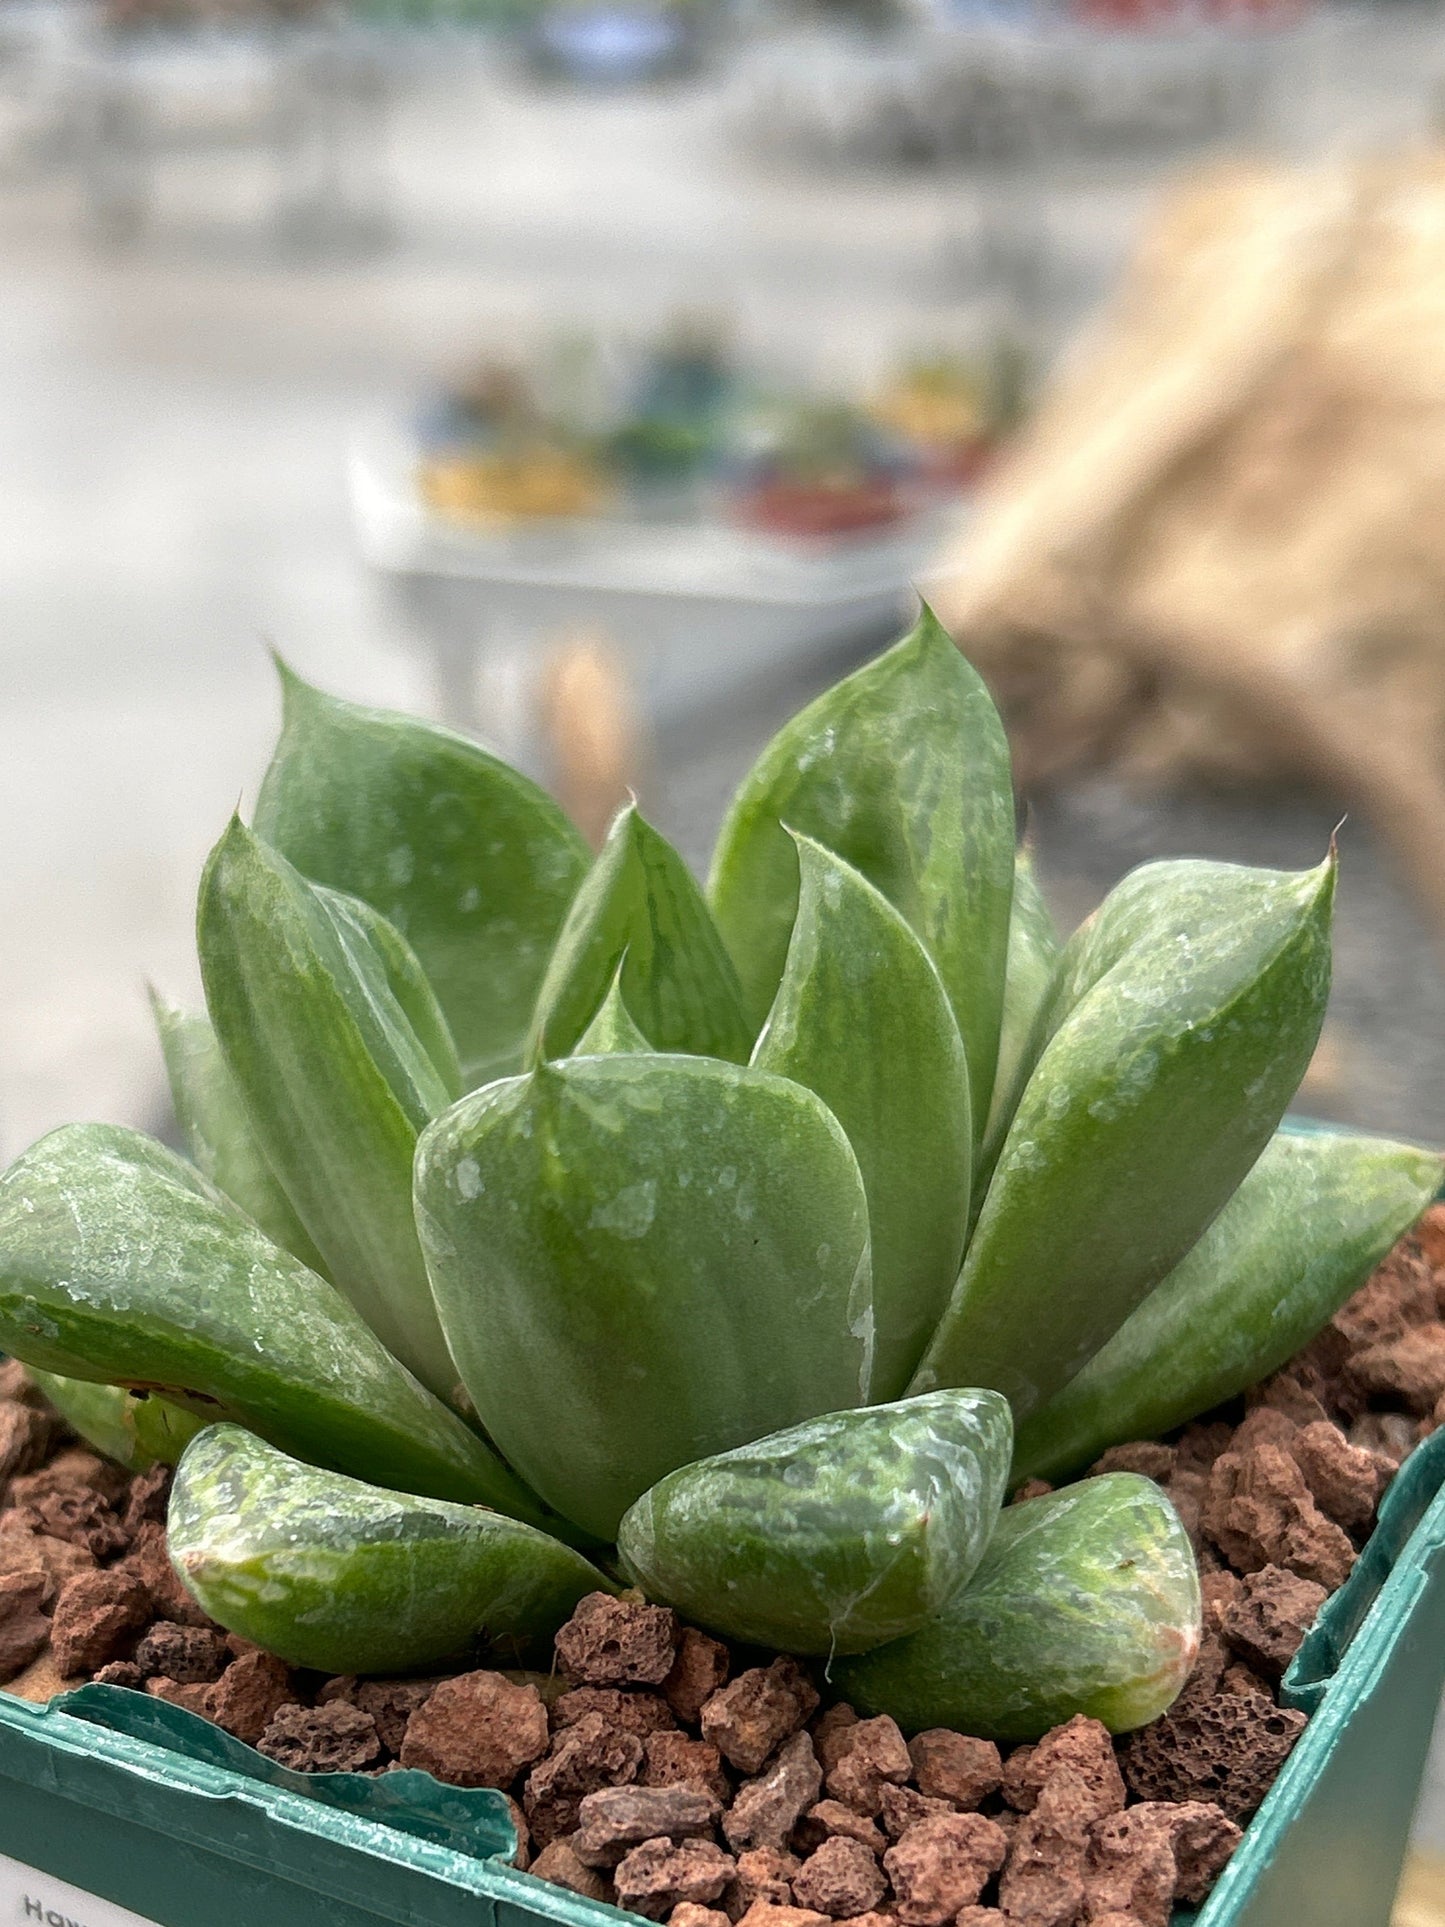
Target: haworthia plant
x=735 y=1223
x=1086 y=1601
x=122 y=1264
x=835 y=1535
x=1244 y=1300
x=471 y=862
x=348 y=1578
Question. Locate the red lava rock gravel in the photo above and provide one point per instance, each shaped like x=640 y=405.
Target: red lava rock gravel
x=335 y=1738
x=479 y=1729
x=614 y=1642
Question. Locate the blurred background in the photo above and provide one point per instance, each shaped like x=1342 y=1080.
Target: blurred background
x=604 y=377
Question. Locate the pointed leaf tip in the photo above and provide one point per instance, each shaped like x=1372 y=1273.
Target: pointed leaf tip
x=1184 y=1015
x=902 y=770
x=640 y=903
x=472 y=862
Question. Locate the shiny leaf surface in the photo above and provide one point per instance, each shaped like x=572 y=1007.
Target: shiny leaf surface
x=835 y=1535
x=1087 y=1601
x=1186 y=1014
x=467 y=858
x=335 y=1574
x=120 y=1263
x=334 y=1076
x=1302 y=1233
x=640 y=911
x=862 y=1018
x=641 y=1261
x=902 y=770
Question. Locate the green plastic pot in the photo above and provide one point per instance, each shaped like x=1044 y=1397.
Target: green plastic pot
x=149 y=1808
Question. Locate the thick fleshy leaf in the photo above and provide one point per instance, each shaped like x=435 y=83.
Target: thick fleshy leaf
x=1301 y=1234
x=217 y=1130
x=612 y=1031
x=120 y=1263
x=639 y=909
x=1188 y=1010
x=640 y=1261
x=862 y=1018
x=1033 y=955
x=328 y=1572
x=472 y=863
x=902 y=770
x=835 y=1535
x=1086 y=1601
x=335 y=1078
x=370 y=940
x=137 y=1430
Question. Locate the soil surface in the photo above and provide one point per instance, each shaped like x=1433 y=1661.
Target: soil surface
x=660 y=1771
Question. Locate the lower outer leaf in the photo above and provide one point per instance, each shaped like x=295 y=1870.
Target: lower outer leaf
x=1304 y=1230
x=328 y=1572
x=135 y=1431
x=640 y=1261
x=1087 y=1601
x=834 y=1535
x=119 y=1263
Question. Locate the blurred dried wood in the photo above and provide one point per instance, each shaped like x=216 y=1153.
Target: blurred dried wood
x=1220 y=546
x=592 y=729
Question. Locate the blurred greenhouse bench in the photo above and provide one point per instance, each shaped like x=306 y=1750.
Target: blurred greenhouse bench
x=698 y=611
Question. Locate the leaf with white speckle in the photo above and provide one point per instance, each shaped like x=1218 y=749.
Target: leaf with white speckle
x=641 y=1260
x=1086 y=1602
x=342 y=1576
x=835 y=1535
x=120 y=1263
x=468 y=858
x=1185 y=1015
x=1300 y=1235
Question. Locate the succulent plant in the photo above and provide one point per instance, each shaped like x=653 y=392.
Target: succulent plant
x=539 y=1205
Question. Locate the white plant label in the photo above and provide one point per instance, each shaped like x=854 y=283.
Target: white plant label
x=29 y=1898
